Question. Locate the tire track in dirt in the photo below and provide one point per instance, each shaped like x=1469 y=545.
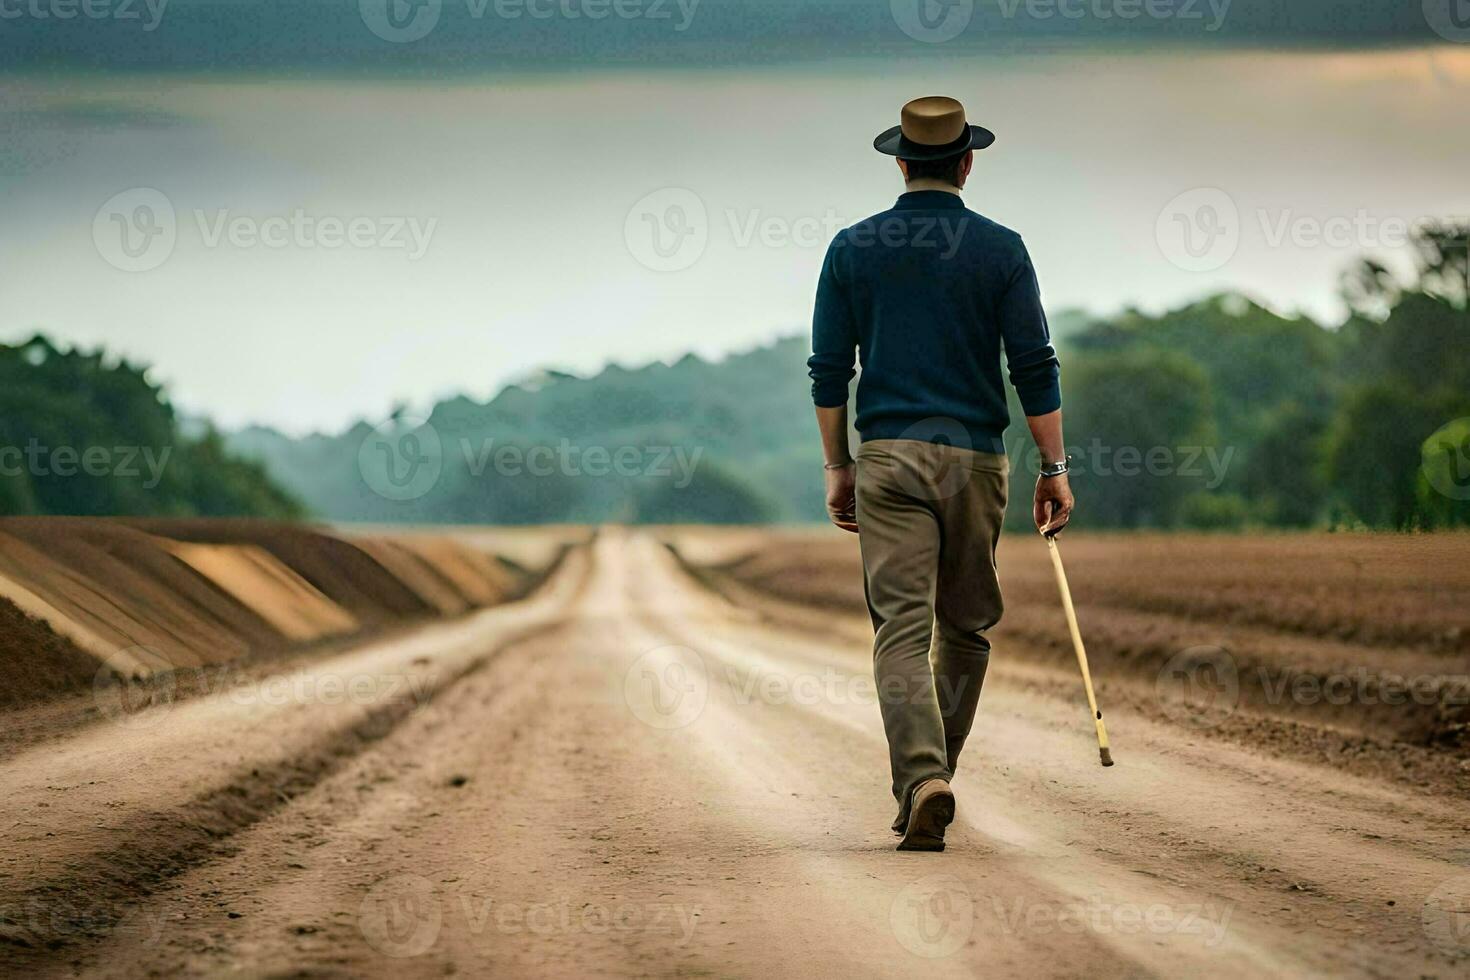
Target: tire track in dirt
x=1261 y=713
x=1352 y=860
x=648 y=788
x=581 y=841
x=184 y=778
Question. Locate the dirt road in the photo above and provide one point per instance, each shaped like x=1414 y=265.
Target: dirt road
x=627 y=775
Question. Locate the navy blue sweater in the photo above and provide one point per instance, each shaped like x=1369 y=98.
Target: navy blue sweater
x=927 y=295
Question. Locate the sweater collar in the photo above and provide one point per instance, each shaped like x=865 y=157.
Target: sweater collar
x=929 y=201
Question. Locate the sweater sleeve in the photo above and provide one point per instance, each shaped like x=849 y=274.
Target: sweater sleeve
x=834 y=337
x=1032 y=361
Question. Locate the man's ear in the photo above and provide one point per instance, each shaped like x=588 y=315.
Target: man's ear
x=903 y=168
x=966 y=165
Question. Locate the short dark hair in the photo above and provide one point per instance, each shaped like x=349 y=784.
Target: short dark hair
x=946 y=168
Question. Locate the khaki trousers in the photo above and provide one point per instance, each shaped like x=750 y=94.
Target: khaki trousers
x=929 y=517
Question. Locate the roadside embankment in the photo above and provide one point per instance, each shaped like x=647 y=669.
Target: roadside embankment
x=81 y=598
x=1321 y=641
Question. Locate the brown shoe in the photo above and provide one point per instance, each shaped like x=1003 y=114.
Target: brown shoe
x=932 y=811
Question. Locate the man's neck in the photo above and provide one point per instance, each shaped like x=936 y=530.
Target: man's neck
x=932 y=184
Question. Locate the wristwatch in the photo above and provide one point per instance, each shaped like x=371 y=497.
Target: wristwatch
x=1060 y=468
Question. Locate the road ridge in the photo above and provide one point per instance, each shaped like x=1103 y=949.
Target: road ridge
x=97 y=887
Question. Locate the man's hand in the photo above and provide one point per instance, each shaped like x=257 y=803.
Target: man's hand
x=841 y=470
x=1053 y=507
x=842 y=497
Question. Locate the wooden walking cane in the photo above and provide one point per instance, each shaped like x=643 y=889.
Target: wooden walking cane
x=1102 y=732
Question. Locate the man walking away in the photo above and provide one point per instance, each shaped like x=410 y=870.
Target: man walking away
x=927 y=295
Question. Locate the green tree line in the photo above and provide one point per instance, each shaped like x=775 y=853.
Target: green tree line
x=1220 y=414
x=85 y=434
x=1300 y=426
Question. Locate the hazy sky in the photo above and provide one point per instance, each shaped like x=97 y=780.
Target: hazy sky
x=506 y=223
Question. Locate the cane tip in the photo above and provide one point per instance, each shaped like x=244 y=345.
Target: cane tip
x=1107 y=756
